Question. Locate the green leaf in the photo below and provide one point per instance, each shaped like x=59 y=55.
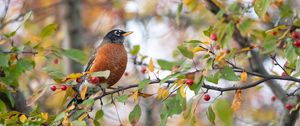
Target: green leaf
x=286 y=11
x=98 y=116
x=228 y=34
x=165 y=65
x=135 y=114
x=25 y=64
x=170 y=77
x=11 y=34
x=208 y=31
x=179 y=9
x=60 y=116
x=214 y=78
x=290 y=52
x=2 y=107
x=163 y=116
x=224 y=112
x=76 y=55
x=135 y=50
x=296 y=22
x=144 y=83
x=269 y=44
x=211 y=115
x=228 y=74
x=196 y=87
x=246 y=25
x=104 y=74
x=4 y=60
x=194 y=41
x=55 y=74
x=261 y=6
x=122 y=98
x=78 y=123
x=185 y=52
x=88 y=102
x=48 y=30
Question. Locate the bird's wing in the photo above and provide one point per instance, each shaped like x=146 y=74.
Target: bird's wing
x=91 y=61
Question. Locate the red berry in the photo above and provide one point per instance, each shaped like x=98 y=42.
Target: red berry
x=283 y=74
x=297 y=43
x=143 y=70
x=228 y=51
x=53 y=87
x=55 y=61
x=296 y=35
x=63 y=87
x=94 y=80
x=218 y=47
x=79 y=80
x=206 y=97
x=274 y=33
x=288 y=106
x=126 y=74
x=189 y=82
x=213 y=36
x=273 y=98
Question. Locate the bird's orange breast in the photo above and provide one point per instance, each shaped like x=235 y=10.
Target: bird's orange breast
x=111 y=57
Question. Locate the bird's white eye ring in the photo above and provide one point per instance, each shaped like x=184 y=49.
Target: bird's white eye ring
x=117 y=33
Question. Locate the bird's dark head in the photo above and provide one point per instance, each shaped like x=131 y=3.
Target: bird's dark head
x=116 y=36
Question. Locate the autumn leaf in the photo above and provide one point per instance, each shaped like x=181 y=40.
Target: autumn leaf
x=244 y=77
x=136 y=95
x=221 y=56
x=236 y=103
x=70 y=108
x=83 y=92
x=197 y=49
x=22 y=118
x=182 y=93
x=151 y=65
x=82 y=116
x=66 y=121
x=165 y=93
x=44 y=115
x=72 y=76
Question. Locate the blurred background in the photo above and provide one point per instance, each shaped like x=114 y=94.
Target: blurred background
x=158 y=30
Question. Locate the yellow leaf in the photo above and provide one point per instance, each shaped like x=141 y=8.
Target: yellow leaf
x=182 y=93
x=206 y=43
x=66 y=121
x=136 y=95
x=218 y=3
x=159 y=93
x=22 y=118
x=165 y=93
x=236 y=103
x=44 y=115
x=179 y=82
x=82 y=116
x=197 y=49
x=83 y=92
x=70 y=108
x=72 y=76
x=244 y=77
x=221 y=56
x=151 y=65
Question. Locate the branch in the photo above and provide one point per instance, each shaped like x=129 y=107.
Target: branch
x=24 y=52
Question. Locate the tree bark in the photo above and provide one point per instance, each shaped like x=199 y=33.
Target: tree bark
x=74 y=27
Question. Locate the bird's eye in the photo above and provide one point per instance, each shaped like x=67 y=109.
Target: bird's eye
x=117 y=33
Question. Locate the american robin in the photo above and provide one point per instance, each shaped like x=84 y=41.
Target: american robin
x=109 y=55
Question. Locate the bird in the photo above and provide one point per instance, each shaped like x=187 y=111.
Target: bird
x=109 y=55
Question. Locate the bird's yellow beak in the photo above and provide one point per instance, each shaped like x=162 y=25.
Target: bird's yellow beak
x=127 y=33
